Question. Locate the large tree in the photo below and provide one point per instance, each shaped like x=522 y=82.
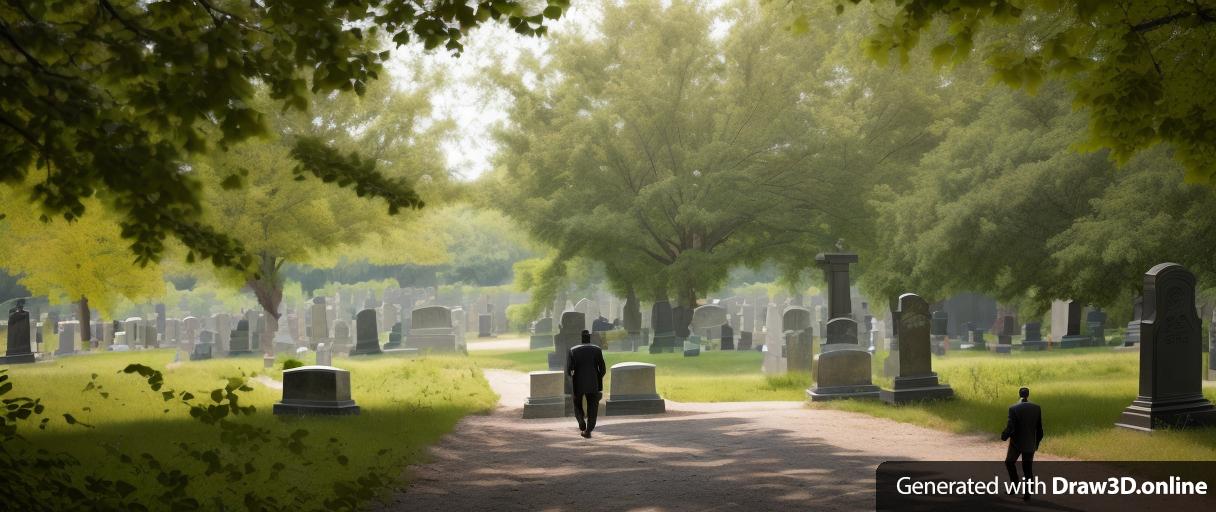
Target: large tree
x=1141 y=69
x=112 y=97
x=85 y=263
x=278 y=219
x=672 y=153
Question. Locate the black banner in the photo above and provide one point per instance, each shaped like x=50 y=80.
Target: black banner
x=1057 y=486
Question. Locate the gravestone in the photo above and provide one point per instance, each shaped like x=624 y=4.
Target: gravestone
x=728 y=338
x=977 y=340
x=131 y=327
x=542 y=334
x=568 y=335
x=774 y=361
x=836 y=274
x=663 y=327
x=160 y=318
x=238 y=341
x=590 y=311
x=342 y=338
x=1171 y=390
x=202 y=351
x=799 y=339
x=325 y=354
x=318 y=322
x=431 y=329
x=1033 y=337
x=1004 y=340
x=546 y=397
x=745 y=341
x=939 y=326
x=316 y=390
x=1095 y=324
x=485 y=323
x=916 y=380
x=223 y=329
x=367 y=337
x=1132 y=336
x=631 y=320
x=148 y=338
x=1070 y=313
x=173 y=332
x=394 y=337
x=633 y=391
x=843 y=369
x=67 y=338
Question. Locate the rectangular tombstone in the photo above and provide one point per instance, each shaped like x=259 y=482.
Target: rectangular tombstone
x=316 y=390
x=1171 y=390
x=916 y=380
x=663 y=326
x=367 y=335
x=547 y=397
x=1033 y=339
x=431 y=329
x=633 y=391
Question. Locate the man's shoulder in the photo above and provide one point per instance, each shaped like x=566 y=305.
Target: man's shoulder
x=1024 y=406
x=585 y=347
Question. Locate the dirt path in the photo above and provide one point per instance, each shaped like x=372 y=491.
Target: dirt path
x=475 y=344
x=740 y=455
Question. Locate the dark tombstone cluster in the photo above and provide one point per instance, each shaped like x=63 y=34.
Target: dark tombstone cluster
x=19 y=350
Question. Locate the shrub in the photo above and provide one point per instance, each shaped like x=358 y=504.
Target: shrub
x=292 y=363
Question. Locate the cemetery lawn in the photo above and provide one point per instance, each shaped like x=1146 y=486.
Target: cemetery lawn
x=714 y=376
x=1082 y=392
x=407 y=404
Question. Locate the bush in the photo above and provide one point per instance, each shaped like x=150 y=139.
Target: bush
x=292 y=363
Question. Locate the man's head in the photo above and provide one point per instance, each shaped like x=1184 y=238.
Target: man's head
x=1024 y=393
x=586 y=337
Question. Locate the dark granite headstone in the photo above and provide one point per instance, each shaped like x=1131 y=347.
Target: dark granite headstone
x=1171 y=389
x=1073 y=337
x=836 y=274
x=728 y=338
x=841 y=330
x=916 y=380
x=1033 y=339
x=18 y=351
x=663 y=327
x=238 y=342
x=485 y=324
x=745 y=341
x=394 y=337
x=316 y=390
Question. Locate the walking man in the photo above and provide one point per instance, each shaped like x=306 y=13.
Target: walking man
x=585 y=366
x=1024 y=432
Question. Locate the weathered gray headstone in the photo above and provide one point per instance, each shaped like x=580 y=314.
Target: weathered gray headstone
x=367 y=338
x=633 y=391
x=774 y=361
x=547 y=397
x=1132 y=336
x=316 y=390
x=67 y=338
x=916 y=380
x=836 y=274
x=325 y=354
x=395 y=337
x=238 y=341
x=800 y=349
x=431 y=329
x=542 y=334
x=1171 y=390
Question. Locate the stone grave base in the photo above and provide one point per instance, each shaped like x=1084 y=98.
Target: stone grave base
x=634 y=404
x=17 y=359
x=315 y=408
x=1074 y=341
x=243 y=353
x=916 y=389
x=663 y=343
x=367 y=351
x=539 y=341
x=1190 y=411
x=1003 y=349
x=432 y=342
x=400 y=352
x=548 y=407
x=823 y=394
x=1034 y=345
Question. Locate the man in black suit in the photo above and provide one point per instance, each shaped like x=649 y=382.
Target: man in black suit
x=585 y=366
x=1024 y=432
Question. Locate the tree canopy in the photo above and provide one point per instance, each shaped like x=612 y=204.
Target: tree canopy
x=111 y=98
x=1142 y=70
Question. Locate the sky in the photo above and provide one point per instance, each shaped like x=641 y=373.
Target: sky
x=477 y=110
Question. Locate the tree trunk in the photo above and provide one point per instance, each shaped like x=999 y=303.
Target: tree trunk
x=86 y=328
x=268 y=288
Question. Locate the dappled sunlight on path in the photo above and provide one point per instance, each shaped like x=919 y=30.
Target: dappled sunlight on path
x=703 y=456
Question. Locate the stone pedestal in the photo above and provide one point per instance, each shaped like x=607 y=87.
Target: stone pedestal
x=1074 y=341
x=547 y=398
x=842 y=373
x=316 y=391
x=633 y=391
x=916 y=389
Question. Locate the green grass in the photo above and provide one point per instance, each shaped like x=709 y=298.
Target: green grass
x=406 y=405
x=1082 y=391
x=714 y=376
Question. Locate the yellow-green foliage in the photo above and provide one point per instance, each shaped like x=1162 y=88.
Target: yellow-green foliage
x=406 y=405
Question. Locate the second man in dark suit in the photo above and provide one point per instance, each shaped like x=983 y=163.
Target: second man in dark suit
x=1024 y=430
x=585 y=366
